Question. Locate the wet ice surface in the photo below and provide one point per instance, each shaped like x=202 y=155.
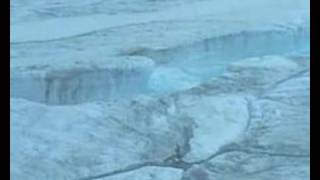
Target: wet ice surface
x=154 y=90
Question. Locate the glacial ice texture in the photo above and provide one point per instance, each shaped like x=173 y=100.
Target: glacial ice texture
x=159 y=90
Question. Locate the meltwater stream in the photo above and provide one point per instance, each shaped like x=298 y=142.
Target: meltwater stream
x=173 y=69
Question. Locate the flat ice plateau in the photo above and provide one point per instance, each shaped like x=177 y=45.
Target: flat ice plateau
x=160 y=90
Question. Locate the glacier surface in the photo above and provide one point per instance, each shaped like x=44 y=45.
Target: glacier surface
x=160 y=90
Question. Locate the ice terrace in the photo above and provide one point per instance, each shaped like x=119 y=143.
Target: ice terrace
x=150 y=71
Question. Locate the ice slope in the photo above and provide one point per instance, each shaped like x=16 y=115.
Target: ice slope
x=240 y=124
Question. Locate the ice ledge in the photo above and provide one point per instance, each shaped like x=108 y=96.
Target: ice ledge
x=75 y=81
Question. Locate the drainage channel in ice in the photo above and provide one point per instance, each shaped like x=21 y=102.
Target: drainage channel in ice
x=175 y=69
